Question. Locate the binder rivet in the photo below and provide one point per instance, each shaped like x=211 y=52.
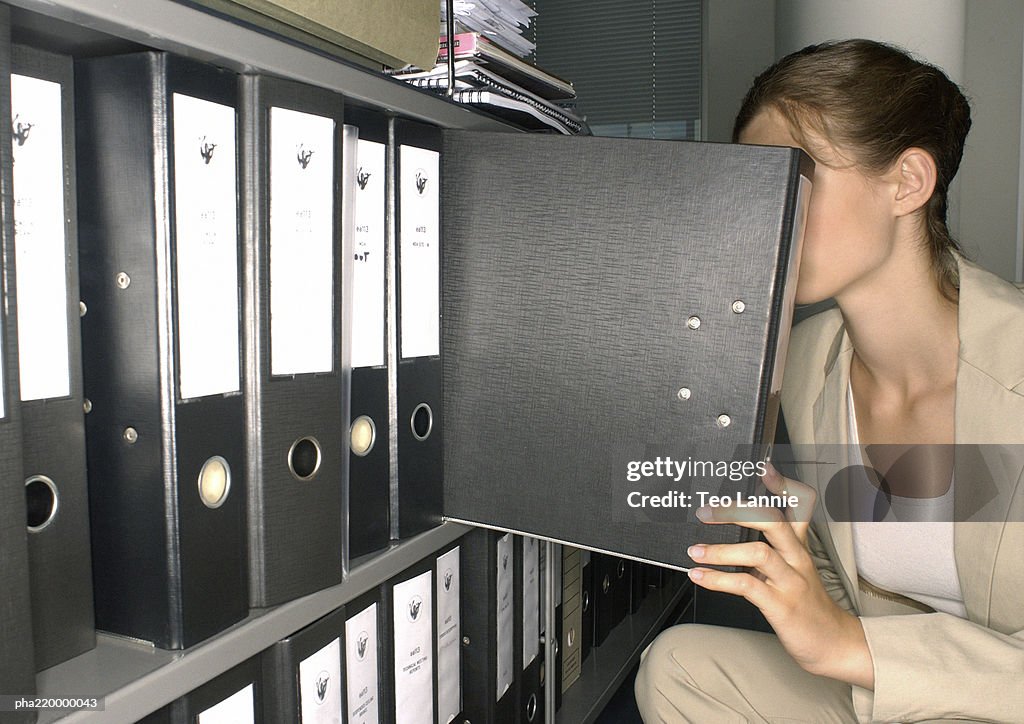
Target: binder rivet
x=130 y=435
x=738 y=306
x=606 y=584
x=724 y=421
x=693 y=322
x=465 y=640
x=87 y=406
x=123 y=280
x=684 y=393
x=82 y=309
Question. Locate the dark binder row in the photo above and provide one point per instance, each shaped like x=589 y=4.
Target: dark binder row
x=195 y=411
x=456 y=637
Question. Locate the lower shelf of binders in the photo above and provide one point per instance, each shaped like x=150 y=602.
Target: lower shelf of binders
x=134 y=679
x=608 y=665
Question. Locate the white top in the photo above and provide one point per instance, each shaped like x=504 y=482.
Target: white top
x=910 y=550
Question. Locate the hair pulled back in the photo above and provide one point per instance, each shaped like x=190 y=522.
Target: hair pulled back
x=873 y=101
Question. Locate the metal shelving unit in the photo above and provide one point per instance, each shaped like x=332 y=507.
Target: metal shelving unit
x=134 y=678
x=192 y=32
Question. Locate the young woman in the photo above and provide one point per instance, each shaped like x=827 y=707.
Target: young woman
x=877 y=621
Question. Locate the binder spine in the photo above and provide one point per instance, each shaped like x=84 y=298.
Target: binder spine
x=369 y=495
x=295 y=421
x=53 y=426
x=17 y=669
x=420 y=417
x=303 y=665
x=148 y=446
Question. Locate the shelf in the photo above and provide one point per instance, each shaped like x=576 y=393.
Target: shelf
x=610 y=663
x=192 y=32
x=136 y=678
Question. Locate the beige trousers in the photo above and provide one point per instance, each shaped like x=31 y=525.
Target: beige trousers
x=709 y=674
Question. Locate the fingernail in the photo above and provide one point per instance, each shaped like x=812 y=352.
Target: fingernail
x=769 y=469
x=704 y=513
x=695 y=552
x=696 y=574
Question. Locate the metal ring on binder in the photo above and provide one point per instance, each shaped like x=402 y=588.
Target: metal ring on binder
x=42 y=502
x=531 y=707
x=214 y=482
x=422 y=421
x=304 y=458
x=362 y=435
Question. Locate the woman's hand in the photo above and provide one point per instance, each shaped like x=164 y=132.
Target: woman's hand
x=784 y=584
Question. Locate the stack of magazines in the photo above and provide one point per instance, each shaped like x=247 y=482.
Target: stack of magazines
x=490 y=71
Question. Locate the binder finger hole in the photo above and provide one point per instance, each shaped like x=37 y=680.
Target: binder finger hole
x=362 y=436
x=214 y=482
x=304 y=458
x=531 y=707
x=422 y=421
x=41 y=502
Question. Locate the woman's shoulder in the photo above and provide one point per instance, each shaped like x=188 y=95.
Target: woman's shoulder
x=991 y=325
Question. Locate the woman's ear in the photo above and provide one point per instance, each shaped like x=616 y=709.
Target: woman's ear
x=915 y=175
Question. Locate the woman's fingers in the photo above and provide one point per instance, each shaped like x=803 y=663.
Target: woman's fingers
x=799 y=499
x=770 y=521
x=756 y=555
x=746 y=585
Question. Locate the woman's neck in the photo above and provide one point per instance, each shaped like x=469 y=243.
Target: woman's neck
x=903 y=330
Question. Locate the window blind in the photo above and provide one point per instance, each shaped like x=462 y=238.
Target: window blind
x=635 y=64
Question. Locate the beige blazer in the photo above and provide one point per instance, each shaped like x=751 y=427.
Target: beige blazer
x=934 y=665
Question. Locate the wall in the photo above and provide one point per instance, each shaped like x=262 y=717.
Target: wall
x=739 y=42
x=990 y=213
x=981 y=46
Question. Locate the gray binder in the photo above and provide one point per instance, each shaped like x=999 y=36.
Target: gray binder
x=160 y=272
x=609 y=301
x=17 y=667
x=296 y=396
x=53 y=425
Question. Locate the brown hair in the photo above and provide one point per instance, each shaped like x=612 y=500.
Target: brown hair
x=873 y=101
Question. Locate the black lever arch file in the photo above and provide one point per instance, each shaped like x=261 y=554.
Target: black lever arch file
x=160 y=275
x=49 y=347
x=297 y=389
x=17 y=667
x=615 y=317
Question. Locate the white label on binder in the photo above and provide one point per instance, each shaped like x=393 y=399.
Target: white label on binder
x=361 y=666
x=531 y=601
x=506 y=609
x=39 y=239
x=206 y=247
x=320 y=685
x=368 y=258
x=449 y=638
x=420 y=257
x=236 y=709
x=301 y=243
x=414 y=649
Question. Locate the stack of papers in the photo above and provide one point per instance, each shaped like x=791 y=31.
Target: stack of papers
x=490 y=71
x=477 y=85
x=501 y=21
